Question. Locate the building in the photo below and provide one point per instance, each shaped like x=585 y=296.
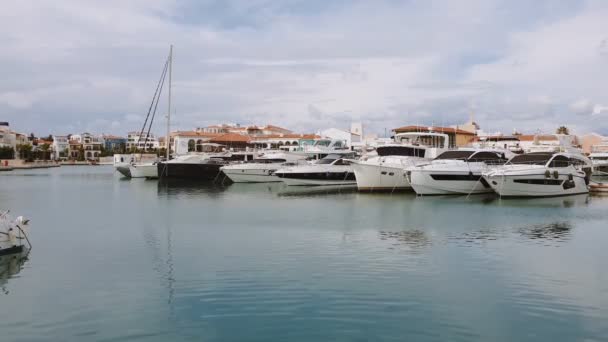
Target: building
x=60 y=147
x=8 y=138
x=594 y=142
x=114 y=143
x=339 y=134
x=183 y=142
x=147 y=141
x=252 y=130
x=470 y=126
x=85 y=143
x=282 y=141
x=457 y=137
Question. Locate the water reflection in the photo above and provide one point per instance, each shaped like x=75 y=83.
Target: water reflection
x=173 y=187
x=316 y=190
x=542 y=202
x=414 y=239
x=559 y=231
x=10 y=265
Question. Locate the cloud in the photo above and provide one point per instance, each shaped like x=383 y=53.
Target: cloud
x=303 y=64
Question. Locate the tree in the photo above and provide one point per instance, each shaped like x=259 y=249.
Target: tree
x=25 y=152
x=80 y=153
x=7 y=152
x=45 y=150
x=562 y=130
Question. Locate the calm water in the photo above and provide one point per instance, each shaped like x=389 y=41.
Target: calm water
x=116 y=260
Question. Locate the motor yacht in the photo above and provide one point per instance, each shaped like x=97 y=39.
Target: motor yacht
x=456 y=172
x=262 y=169
x=323 y=147
x=600 y=163
x=541 y=174
x=144 y=170
x=122 y=163
x=386 y=169
x=334 y=169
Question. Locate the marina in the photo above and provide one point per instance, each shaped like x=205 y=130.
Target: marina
x=302 y=263
x=369 y=170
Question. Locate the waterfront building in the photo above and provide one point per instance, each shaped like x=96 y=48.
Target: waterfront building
x=85 y=143
x=183 y=142
x=594 y=142
x=457 y=137
x=114 y=143
x=252 y=130
x=60 y=147
x=145 y=142
x=283 y=141
x=8 y=138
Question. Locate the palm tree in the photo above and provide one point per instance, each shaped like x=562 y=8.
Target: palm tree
x=562 y=130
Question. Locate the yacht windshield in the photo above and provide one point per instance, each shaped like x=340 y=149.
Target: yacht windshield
x=400 y=151
x=268 y=161
x=323 y=143
x=460 y=155
x=539 y=158
x=488 y=157
x=328 y=159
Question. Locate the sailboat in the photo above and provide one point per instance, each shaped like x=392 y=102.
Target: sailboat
x=150 y=170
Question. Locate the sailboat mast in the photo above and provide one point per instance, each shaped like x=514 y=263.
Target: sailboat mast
x=168 y=137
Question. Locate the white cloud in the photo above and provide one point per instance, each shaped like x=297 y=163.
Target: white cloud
x=304 y=65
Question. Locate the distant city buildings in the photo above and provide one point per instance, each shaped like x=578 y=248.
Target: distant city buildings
x=87 y=146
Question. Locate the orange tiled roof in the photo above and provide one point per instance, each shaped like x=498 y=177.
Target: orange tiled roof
x=231 y=137
x=194 y=134
x=530 y=137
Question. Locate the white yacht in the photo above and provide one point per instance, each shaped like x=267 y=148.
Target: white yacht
x=387 y=169
x=122 y=163
x=333 y=169
x=261 y=170
x=541 y=174
x=323 y=147
x=600 y=163
x=456 y=172
x=144 y=170
x=13 y=234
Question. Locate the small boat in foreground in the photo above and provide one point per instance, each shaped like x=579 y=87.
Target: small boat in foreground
x=13 y=234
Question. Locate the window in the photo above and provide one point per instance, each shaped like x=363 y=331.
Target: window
x=455 y=155
x=540 y=158
x=191 y=145
x=560 y=161
x=400 y=151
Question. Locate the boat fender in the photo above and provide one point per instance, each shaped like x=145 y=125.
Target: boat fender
x=555 y=174
x=570 y=177
x=547 y=174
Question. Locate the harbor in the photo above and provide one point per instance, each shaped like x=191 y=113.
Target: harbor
x=269 y=171
x=303 y=262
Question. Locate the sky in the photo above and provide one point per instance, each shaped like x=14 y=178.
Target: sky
x=75 y=65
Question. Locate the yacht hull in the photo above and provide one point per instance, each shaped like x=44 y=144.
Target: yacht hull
x=448 y=183
x=251 y=176
x=374 y=177
x=144 y=171
x=124 y=170
x=193 y=171
x=537 y=185
x=317 y=178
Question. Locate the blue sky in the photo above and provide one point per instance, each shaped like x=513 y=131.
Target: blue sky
x=71 y=66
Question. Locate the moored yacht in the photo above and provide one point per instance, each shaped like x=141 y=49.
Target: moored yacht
x=333 y=169
x=144 y=170
x=122 y=163
x=456 y=172
x=387 y=169
x=541 y=174
x=262 y=169
x=600 y=163
x=194 y=167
